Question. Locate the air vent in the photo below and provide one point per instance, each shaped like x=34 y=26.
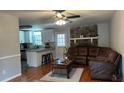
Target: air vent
x=25 y=26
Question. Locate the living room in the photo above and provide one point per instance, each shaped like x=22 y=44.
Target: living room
x=99 y=28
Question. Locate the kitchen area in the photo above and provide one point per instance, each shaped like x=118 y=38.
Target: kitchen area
x=36 y=47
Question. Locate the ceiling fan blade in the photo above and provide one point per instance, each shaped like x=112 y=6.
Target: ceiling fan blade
x=74 y=16
x=60 y=11
x=48 y=28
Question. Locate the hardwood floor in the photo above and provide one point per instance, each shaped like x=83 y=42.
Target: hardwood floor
x=34 y=75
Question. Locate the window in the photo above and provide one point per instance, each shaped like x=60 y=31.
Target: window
x=21 y=37
x=61 y=40
x=36 y=38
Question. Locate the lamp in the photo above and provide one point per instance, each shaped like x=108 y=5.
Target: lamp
x=60 y=22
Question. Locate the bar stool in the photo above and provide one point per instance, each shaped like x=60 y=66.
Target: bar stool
x=47 y=58
x=51 y=57
x=43 y=59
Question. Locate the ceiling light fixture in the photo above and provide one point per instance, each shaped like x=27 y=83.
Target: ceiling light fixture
x=59 y=15
x=61 y=22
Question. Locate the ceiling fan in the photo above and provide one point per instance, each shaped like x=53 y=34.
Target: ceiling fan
x=62 y=18
x=59 y=14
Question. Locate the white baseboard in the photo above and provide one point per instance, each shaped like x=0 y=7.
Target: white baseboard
x=10 y=78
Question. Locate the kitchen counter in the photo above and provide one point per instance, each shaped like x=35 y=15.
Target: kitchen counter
x=34 y=56
x=40 y=50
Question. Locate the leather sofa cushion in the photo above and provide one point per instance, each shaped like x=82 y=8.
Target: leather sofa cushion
x=80 y=60
x=112 y=56
x=101 y=58
x=89 y=58
x=82 y=51
x=73 y=51
x=93 y=51
x=104 y=52
x=98 y=58
x=80 y=57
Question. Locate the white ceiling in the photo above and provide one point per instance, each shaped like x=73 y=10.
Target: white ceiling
x=46 y=18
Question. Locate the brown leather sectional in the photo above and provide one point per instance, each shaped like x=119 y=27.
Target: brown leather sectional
x=78 y=54
x=104 y=63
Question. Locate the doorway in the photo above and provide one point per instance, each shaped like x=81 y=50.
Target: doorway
x=23 y=48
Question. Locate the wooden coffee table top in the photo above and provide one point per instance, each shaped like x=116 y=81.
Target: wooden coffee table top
x=64 y=62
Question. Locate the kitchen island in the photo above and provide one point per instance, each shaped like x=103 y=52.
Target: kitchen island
x=34 y=56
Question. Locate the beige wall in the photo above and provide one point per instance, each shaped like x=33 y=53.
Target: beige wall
x=117 y=33
x=48 y=35
x=103 y=32
x=8 y=35
x=9 y=47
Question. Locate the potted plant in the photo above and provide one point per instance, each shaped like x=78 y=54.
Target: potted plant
x=65 y=51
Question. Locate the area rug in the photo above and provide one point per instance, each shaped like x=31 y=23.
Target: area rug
x=75 y=75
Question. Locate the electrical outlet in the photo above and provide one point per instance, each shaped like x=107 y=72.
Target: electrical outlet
x=3 y=72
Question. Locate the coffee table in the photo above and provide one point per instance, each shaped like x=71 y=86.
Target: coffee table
x=65 y=64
